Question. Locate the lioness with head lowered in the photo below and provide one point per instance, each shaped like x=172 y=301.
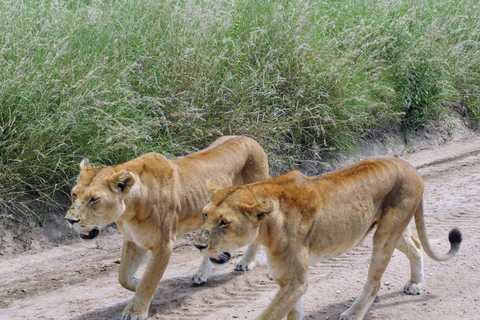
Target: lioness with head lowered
x=153 y=200
x=301 y=220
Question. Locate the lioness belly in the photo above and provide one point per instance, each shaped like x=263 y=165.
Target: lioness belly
x=318 y=256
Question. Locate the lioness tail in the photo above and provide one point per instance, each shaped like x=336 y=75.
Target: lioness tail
x=455 y=238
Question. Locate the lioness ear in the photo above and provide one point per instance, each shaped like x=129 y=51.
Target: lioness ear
x=85 y=164
x=214 y=188
x=122 y=182
x=261 y=209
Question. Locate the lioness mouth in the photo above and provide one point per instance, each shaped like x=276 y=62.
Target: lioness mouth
x=89 y=235
x=222 y=258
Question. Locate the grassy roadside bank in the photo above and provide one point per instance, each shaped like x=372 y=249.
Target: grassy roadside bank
x=111 y=80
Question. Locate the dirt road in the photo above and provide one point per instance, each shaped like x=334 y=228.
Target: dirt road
x=79 y=281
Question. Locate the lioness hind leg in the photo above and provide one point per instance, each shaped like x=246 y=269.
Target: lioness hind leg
x=411 y=248
x=384 y=243
x=249 y=259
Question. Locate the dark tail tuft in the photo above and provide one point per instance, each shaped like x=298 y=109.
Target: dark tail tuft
x=455 y=236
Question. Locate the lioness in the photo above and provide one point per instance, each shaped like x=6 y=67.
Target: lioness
x=301 y=220
x=153 y=200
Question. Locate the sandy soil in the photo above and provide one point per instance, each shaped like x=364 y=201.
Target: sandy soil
x=79 y=280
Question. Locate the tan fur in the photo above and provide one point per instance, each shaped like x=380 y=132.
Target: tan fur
x=301 y=220
x=153 y=200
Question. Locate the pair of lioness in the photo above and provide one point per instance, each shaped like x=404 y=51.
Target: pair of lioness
x=298 y=219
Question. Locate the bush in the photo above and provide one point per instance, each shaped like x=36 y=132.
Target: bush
x=111 y=80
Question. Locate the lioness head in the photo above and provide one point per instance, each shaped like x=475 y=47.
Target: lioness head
x=98 y=198
x=230 y=221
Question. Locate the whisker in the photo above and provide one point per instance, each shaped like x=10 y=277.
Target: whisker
x=225 y=257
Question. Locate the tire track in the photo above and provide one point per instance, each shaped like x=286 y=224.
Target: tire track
x=447 y=153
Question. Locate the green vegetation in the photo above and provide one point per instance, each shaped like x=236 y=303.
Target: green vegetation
x=111 y=80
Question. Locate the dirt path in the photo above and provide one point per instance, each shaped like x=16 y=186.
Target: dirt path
x=79 y=281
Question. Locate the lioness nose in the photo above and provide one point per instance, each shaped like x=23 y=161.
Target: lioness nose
x=199 y=246
x=72 y=221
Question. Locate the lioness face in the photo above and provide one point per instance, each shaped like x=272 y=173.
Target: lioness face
x=231 y=221
x=98 y=199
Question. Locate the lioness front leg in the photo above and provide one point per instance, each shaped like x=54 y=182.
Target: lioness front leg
x=248 y=261
x=203 y=272
x=132 y=257
x=291 y=275
x=137 y=308
x=296 y=312
x=287 y=301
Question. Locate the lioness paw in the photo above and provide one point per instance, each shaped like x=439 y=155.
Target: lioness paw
x=203 y=272
x=244 y=265
x=413 y=288
x=248 y=260
x=199 y=278
x=135 y=316
x=352 y=314
x=344 y=316
x=130 y=314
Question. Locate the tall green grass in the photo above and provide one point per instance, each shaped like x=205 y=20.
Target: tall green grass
x=111 y=80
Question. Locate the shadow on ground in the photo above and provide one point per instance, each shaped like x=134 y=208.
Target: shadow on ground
x=169 y=296
x=388 y=300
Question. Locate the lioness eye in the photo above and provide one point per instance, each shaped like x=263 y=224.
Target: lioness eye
x=93 y=200
x=204 y=215
x=224 y=223
x=74 y=196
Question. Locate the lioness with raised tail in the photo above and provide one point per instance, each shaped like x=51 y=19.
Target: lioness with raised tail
x=301 y=220
x=153 y=200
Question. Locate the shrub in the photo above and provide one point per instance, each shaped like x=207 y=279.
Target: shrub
x=111 y=80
